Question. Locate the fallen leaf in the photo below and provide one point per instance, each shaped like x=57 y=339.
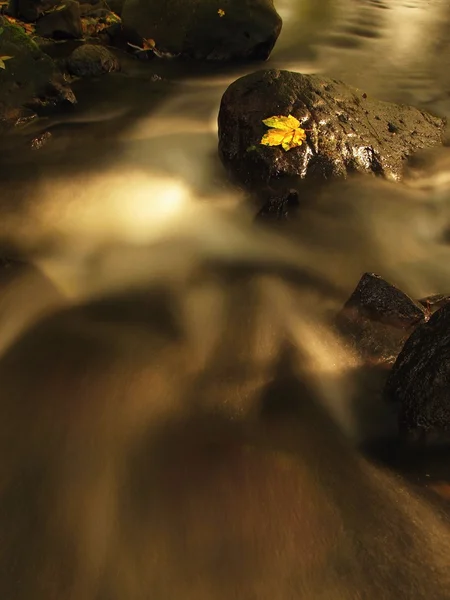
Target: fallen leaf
x=283 y=123
x=286 y=132
x=28 y=27
x=148 y=44
x=3 y=59
x=221 y=12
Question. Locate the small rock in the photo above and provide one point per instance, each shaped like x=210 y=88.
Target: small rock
x=91 y=61
x=420 y=381
x=378 y=318
x=200 y=29
x=63 y=23
x=348 y=132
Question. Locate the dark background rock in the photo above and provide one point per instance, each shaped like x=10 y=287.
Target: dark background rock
x=62 y=23
x=194 y=28
x=116 y=6
x=92 y=61
x=31 y=78
x=349 y=131
x=420 y=381
x=30 y=10
x=378 y=318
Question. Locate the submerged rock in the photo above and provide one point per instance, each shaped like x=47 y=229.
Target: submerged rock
x=30 y=77
x=420 y=381
x=378 y=318
x=62 y=23
x=200 y=29
x=346 y=131
x=279 y=207
x=91 y=61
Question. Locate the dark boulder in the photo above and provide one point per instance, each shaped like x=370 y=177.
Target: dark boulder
x=348 y=131
x=91 y=61
x=30 y=10
x=30 y=77
x=378 y=318
x=62 y=23
x=200 y=29
x=420 y=381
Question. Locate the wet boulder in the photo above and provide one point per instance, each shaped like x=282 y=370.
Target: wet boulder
x=29 y=79
x=378 y=318
x=200 y=29
x=91 y=61
x=61 y=23
x=345 y=131
x=420 y=381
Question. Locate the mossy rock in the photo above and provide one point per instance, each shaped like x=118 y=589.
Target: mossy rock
x=29 y=78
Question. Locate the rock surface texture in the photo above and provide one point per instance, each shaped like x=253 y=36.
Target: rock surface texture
x=91 y=60
x=346 y=131
x=420 y=381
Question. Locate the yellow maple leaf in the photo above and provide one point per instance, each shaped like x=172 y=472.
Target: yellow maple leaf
x=3 y=59
x=285 y=132
x=221 y=12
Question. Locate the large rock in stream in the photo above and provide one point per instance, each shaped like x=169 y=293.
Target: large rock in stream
x=30 y=80
x=200 y=29
x=347 y=131
x=420 y=381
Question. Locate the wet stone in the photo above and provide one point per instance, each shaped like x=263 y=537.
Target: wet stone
x=420 y=382
x=378 y=318
x=91 y=61
x=347 y=131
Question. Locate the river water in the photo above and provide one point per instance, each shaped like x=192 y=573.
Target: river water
x=136 y=162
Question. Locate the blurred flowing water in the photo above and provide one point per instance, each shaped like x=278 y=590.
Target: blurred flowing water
x=135 y=162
